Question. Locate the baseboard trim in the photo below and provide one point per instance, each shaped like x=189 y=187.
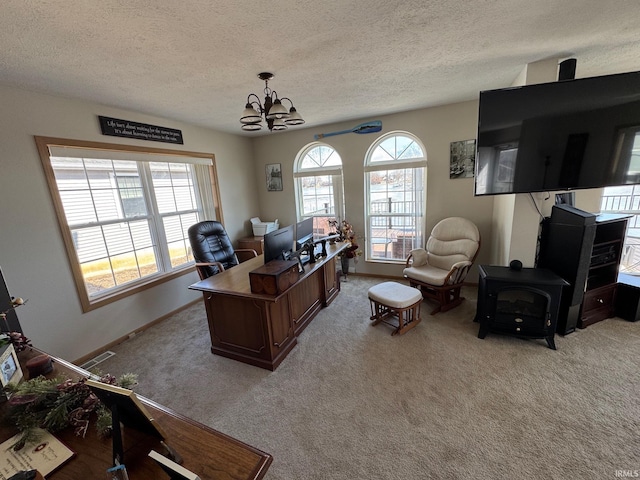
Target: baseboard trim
x=118 y=341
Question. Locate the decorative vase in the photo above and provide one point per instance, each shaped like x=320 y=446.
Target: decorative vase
x=345 y=265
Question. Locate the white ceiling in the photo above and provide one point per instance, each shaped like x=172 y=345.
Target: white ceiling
x=197 y=60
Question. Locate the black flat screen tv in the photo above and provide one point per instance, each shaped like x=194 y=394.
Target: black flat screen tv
x=565 y=135
x=278 y=243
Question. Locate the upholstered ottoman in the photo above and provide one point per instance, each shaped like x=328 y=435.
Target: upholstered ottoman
x=392 y=300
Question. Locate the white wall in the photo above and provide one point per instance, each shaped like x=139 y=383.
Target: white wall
x=435 y=127
x=32 y=255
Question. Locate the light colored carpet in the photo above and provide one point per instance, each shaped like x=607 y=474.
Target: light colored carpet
x=353 y=402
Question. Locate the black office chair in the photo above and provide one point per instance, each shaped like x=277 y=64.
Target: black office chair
x=212 y=249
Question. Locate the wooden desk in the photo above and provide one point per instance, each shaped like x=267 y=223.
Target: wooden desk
x=206 y=452
x=261 y=329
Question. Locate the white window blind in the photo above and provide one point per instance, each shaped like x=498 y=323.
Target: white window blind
x=127 y=213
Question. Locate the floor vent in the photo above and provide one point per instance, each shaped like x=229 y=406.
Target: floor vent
x=96 y=360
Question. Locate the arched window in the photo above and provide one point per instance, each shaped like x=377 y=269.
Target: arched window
x=395 y=187
x=318 y=185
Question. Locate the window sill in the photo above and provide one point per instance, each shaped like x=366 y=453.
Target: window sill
x=144 y=284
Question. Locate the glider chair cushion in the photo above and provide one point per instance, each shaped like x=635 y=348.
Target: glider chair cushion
x=440 y=269
x=212 y=249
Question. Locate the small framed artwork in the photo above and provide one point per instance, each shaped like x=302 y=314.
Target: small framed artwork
x=463 y=159
x=10 y=371
x=274 y=177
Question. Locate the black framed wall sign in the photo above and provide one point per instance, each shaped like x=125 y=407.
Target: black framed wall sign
x=116 y=127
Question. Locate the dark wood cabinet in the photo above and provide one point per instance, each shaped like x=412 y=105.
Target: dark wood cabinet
x=584 y=249
x=253 y=243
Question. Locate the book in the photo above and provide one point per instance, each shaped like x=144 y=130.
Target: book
x=130 y=410
x=45 y=455
x=175 y=471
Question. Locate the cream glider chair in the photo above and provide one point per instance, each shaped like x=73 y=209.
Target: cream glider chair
x=439 y=269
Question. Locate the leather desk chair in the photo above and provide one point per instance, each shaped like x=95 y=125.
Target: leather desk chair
x=212 y=249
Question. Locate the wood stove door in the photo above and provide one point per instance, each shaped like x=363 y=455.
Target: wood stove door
x=521 y=310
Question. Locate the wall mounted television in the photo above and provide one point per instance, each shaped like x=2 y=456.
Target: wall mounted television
x=565 y=135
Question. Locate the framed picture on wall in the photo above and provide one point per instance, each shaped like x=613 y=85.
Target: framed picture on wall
x=274 y=177
x=463 y=159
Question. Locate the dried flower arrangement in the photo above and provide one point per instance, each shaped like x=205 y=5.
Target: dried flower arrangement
x=19 y=341
x=54 y=404
x=345 y=230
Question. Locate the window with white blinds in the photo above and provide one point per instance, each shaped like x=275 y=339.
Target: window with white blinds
x=126 y=213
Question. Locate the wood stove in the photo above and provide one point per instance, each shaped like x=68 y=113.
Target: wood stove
x=522 y=302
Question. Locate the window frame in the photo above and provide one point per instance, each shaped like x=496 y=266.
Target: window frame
x=385 y=165
x=337 y=182
x=210 y=187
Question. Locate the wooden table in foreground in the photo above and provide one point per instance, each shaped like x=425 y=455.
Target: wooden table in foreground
x=261 y=329
x=205 y=451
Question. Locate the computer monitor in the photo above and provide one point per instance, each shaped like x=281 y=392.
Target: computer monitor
x=304 y=232
x=278 y=242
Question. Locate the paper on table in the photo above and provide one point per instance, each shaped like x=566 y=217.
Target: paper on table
x=47 y=454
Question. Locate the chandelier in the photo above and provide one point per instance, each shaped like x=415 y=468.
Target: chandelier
x=275 y=114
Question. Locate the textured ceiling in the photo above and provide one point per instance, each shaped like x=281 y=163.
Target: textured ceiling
x=197 y=60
